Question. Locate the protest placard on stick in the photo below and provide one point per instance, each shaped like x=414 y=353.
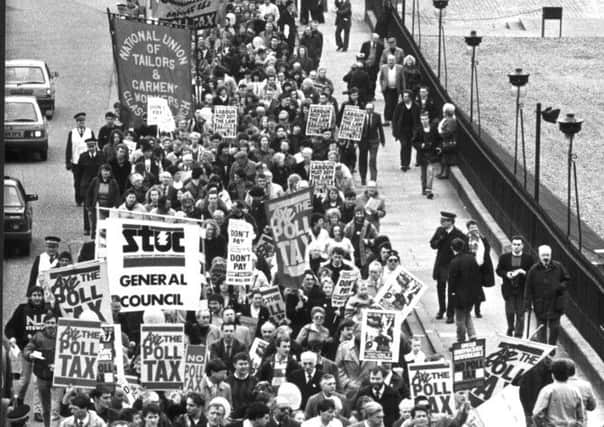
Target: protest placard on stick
x=240 y=267
x=512 y=358
x=76 y=352
x=257 y=350
x=319 y=119
x=274 y=303
x=322 y=173
x=225 y=120
x=468 y=364
x=401 y=293
x=162 y=356
x=380 y=335
x=79 y=287
x=351 y=126
x=110 y=358
x=344 y=288
x=434 y=381
x=195 y=362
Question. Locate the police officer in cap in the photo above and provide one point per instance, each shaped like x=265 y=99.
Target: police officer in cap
x=441 y=241
x=45 y=261
x=76 y=145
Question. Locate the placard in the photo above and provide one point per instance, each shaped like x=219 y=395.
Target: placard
x=344 y=289
x=195 y=364
x=240 y=266
x=380 y=335
x=162 y=356
x=504 y=409
x=322 y=173
x=274 y=303
x=468 y=364
x=512 y=358
x=110 y=359
x=289 y=221
x=434 y=381
x=76 y=352
x=153 y=264
x=225 y=120
x=151 y=60
x=402 y=293
x=79 y=287
x=319 y=119
x=257 y=350
x=159 y=113
x=351 y=125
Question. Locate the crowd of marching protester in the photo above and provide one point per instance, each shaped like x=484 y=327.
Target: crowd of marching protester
x=271 y=71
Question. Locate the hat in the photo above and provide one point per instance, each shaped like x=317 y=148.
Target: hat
x=110 y=115
x=80 y=116
x=447 y=215
x=91 y=141
x=257 y=191
x=20 y=413
x=317 y=309
x=219 y=400
x=52 y=240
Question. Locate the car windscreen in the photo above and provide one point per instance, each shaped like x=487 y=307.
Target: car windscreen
x=12 y=198
x=24 y=75
x=19 y=112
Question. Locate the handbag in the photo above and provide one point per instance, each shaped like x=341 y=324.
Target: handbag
x=449 y=146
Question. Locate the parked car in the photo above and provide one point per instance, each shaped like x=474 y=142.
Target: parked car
x=33 y=78
x=18 y=215
x=25 y=128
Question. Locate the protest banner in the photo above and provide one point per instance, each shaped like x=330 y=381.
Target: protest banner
x=195 y=364
x=402 y=293
x=468 y=364
x=159 y=113
x=264 y=246
x=351 y=126
x=289 y=220
x=433 y=380
x=79 y=287
x=151 y=60
x=153 y=264
x=110 y=359
x=274 y=303
x=512 y=358
x=257 y=350
x=380 y=335
x=322 y=173
x=240 y=266
x=504 y=409
x=344 y=288
x=203 y=13
x=225 y=120
x=76 y=352
x=319 y=119
x=162 y=356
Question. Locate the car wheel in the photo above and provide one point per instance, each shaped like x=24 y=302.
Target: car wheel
x=44 y=155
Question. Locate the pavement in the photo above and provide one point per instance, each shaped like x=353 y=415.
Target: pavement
x=81 y=52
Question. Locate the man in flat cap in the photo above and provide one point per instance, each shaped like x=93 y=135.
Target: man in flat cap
x=76 y=145
x=441 y=241
x=87 y=169
x=45 y=261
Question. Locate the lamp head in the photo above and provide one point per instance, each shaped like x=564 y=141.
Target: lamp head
x=440 y=4
x=550 y=114
x=518 y=78
x=570 y=125
x=473 y=40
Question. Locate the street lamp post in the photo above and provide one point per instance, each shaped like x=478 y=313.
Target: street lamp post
x=570 y=126
x=473 y=41
x=441 y=5
x=519 y=80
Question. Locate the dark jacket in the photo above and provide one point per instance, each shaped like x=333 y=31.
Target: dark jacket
x=110 y=200
x=374 y=132
x=514 y=286
x=266 y=371
x=464 y=280
x=263 y=316
x=405 y=121
x=298 y=377
x=546 y=289
x=26 y=320
x=218 y=351
x=366 y=50
x=441 y=241
x=45 y=345
x=389 y=401
x=88 y=169
x=426 y=144
x=242 y=394
x=344 y=12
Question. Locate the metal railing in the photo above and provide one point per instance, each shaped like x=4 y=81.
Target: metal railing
x=514 y=208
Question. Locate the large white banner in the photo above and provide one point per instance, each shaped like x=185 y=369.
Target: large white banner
x=434 y=380
x=240 y=266
x=154 y=264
